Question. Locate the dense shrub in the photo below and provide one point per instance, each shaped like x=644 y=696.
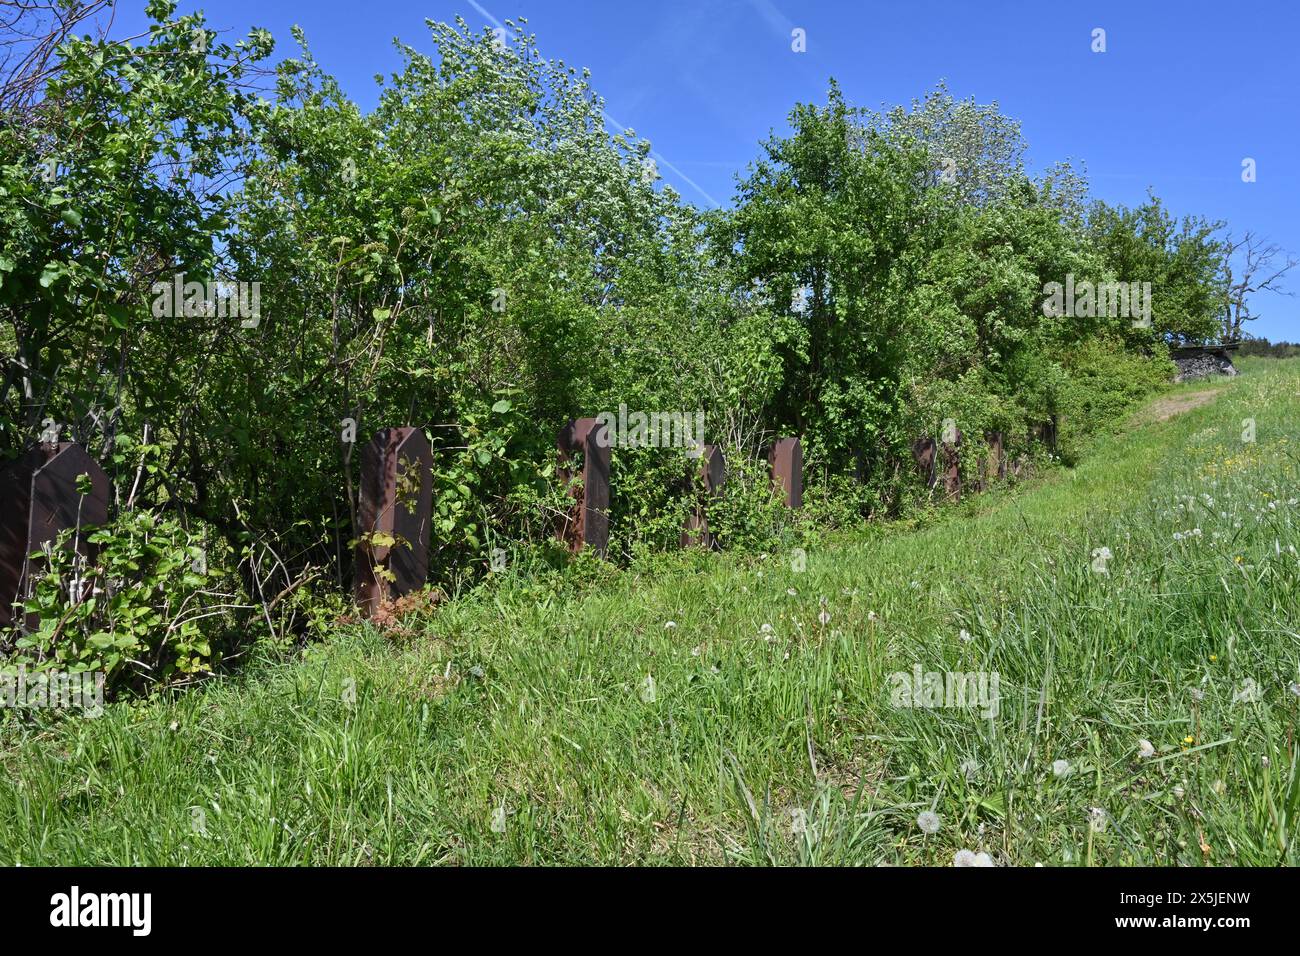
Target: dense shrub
x=479 y=257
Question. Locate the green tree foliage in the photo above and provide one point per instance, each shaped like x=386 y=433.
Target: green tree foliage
x=480 y=257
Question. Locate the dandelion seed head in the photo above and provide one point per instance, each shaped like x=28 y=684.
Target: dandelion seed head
x=928 y=821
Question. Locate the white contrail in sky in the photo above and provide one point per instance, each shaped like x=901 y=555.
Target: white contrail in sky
x=659 y=158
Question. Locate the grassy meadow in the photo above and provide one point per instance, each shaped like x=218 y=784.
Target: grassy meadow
x=1140 y=614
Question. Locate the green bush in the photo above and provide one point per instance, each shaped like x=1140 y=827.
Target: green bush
x=157 y=604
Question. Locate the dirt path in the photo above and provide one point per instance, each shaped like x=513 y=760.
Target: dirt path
x=1166 y=408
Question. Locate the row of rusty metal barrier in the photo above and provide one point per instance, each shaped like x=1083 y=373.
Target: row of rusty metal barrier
x=40 y=498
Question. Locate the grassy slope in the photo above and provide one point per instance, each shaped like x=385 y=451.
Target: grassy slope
x=537 y=703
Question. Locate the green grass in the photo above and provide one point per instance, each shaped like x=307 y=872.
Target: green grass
x=533 y=706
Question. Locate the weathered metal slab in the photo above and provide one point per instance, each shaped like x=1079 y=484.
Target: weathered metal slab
x=39 y=499
x=924 y=453
x=786 y=461
x=397 y=500
x=587 y=523
x=712 y=476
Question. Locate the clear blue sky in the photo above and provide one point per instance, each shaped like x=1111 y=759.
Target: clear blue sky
x=1184 y=92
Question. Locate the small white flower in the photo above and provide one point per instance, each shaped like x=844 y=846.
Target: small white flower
x=791 y=591
x=766 y=629
x=964 y=635
x=1145 y=749
x=928 y=821
x=871 y=615
x=669 y=625
x=1061 y=768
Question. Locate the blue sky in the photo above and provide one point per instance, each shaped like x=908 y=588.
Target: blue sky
x=1183 y=94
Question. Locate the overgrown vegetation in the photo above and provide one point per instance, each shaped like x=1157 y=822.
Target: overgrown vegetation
x=481 y=258
x=731 y=708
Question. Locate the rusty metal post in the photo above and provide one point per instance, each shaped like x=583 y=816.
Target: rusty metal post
x=997 y=461
x=396 y=501
x=924 y=453
x=38 y=500
x=587 y=523
x=786 y=462
x=951 y=452
x=713 y=475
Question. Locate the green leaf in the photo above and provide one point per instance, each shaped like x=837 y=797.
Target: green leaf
x=116 y=315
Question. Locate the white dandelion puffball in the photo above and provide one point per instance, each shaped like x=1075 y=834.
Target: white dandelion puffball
x=648 y=692
x=1061 y=768
x=1145 y=749
x=1249 y=692
x=798 y=821
x=964 y=635
x=824 y=617
x=928 y=821
x=963 y=858
x=669 y=625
